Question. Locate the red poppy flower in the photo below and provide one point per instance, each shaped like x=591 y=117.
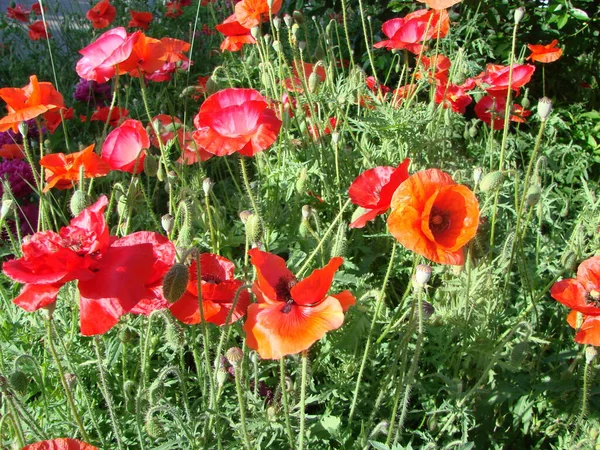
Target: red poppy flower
x=63 y=171
x=60 y=444
x=12 y=151
x=583 y=292
x=116 y=115
x=545 y=53
x=28 y=102
x=495 y=78
x=173 y=9
x=291 y=315
x=236 y=120
x=101 y=57
x=36 y=8
x=102 y=14
x=219 y=288
x=52 y=119
x=402 y=93
x=433 y=216
x=191 y=152
x=140 y=19
x=125 y=147
x=440 y=4
x=236 y=35
x=250 y=13
x=18 y=12
x=408 y=32
x=330 y=126
x=588 y=328
x=38 y=31
x=147 y=56
x=175 y=49
x=454 y=96
x=491 y=111
x=440 y=65
x=373 y=189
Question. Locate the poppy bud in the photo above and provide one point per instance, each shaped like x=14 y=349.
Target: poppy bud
x=174 y=336
x=211 y=85
x=298 y=17
x=126 y=335
x=422 y=275
x=222 y=375
x=153 y=427
x=234 y=356
x=276 y=22
x=79 y=201
x=519 y=13
x=207 y=185
x=267 y=38
x=427 y=309
x=168 y=222
x=175 y=282
x=276 y=46
x=255 y=32
x=569 y=260
x=253 y=229
x=270 y=4
x=48 y=310
x=18 y=381
x=244 y=215
x=156 y=391
x=161 y=174
x=23 y=129
x=525 y=103
x=288 y=20
x=313 y=82
x=319 y=52
x=590 y=354
x=301 y=181
x=122 y=206
x=473 y=131
x=271 y=414
x=544 y=108
x=301 y=45
x=533 y=195
x=304 y=228
x=150 y=165
x=491 y=181
x=306 y=212
x=477 y=174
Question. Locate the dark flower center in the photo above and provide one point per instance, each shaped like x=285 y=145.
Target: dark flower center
x=212 y=279
x=593 y=298
x=283 y=289
x=439 y=220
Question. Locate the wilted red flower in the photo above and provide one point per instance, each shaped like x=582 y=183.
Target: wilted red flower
x=18 y=12
x=236 y=35
x=373 y=189
x=250 y=13
x=545 y=53
x=102 y=14
x=116 y=115
x=125 y=147
x=147 y=56
x=28 y=102
x=140 y=19
x=101 y=57
x=291 y=315
x=454 y=96
x=433 y=216
x=495 y=78
x=218 y=288
x=408 y=32
x=60 y=444
x=38 y=31
x=491 y=111
x=236 y=120
x=63 y=171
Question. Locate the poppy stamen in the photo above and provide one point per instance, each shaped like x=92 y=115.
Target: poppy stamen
x=439 y=221
x=211 y=278
x=283 y=289
x=593 y=298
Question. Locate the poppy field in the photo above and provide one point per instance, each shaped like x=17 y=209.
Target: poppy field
x=293 y=224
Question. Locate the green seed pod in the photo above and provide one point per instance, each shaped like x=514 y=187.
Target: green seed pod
x=313 y=82
x=569 y=260
x=185 y=236
x=304 y=228
x=153 y=427
x=175 y=282
x=319 y=52
x=339 y=243
x=473 y=131
x=18 y=381
x=79 y=201
x=491 y=181
x=301 y=181
x=161 y=173
x=222 y=376
x=151 y=165
x=253 y=228
x=234 y=356
x=168 y=222
x=533 y=195
x=23 y=129
x=175 y=336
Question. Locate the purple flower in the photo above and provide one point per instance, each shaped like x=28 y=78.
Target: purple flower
x=28 y=218
x=91 y=92
x=19 y=176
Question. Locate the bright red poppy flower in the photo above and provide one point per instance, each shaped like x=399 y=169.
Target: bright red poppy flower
x=101 y=57
x=545 y=53
x=373 y=189
x=583 y=292
x=60 y=444
x=495 y=78
x=140 y=19
x=36 y=8
x=18 y=12
x=588 y=328
x=102 y=14
x=250 y=13
x=454 y=96
x=491 y=111
x=116 y=115
x=433 y=216
x=12 y=151
x=173 y=9
x=63 y=171
x=37 y=31
x=28 y=102
x=439 y=65
x=236 y=35
x=52 y=119
x=236 y=120
x=147 y=56
x=218 y=288
x=291 y=315
x=330 y=125
x=125 y=147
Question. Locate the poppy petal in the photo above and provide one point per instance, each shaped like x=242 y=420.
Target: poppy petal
x=270 y=269
x=314 y=288
x=36 y=296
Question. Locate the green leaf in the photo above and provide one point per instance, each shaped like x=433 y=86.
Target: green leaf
x=379 y=445
x=563 y=21
x=579 y=14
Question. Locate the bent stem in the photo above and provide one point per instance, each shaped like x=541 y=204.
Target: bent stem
x=284 y=399
x=378 y=306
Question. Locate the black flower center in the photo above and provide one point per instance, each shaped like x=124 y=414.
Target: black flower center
x=439 y=220
x=212 y=279
x=593 y=298
x=283 y=289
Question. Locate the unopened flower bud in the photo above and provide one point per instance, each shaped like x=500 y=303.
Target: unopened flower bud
x=276 y=46
x=79 y=201
x=23 y=129
x=175 y=282
x=7 y=203
x=533 y=195
x=267 y=38
x=519 y=13
x=306 y=212
x=255 y=32
x=18 y=381
x=544 y=108
x=253 y=229
x=151 y=165
x=244 y=215
x=207 y=185
x=270 y=4
x=298 y=17
x=313 y=82
x=288 y=20
x=491 y=181
x=222 y=375
x=477 y=174
x=277 y=22
x=301 y=45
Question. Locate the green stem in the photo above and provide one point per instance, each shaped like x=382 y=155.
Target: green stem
x=284 y=399
x=241 y=402
x=303 y=399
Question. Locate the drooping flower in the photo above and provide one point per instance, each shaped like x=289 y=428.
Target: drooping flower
x=18 y=12
x=28 y=102
x=495 y=78
x=218 y=290
x=236 y=120
x=373 y=189
x=250 y=13
x=433 y=216
x=236 y=35
x=140 y=19
x=125 y=147
x=60 y=444
x=491 y=111
x=545 y=53
x=63 y=171
x=37 y=31
x=101 y=14
x=101 y=57
x=291 y=315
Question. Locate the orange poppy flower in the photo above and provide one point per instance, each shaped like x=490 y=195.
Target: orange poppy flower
x=117 y=113
x=291 y=315
x=440 y=4
x=148 y=55
x=102 y=14
x=249 y=13
x=38 y=31
x=545 y=53
x=63 y=171
x=588 y=328
x=28 y=102
x=433 y=216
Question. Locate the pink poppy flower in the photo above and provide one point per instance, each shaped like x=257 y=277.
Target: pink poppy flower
x=236 y=120
x=124 y=147
x=495 y=78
